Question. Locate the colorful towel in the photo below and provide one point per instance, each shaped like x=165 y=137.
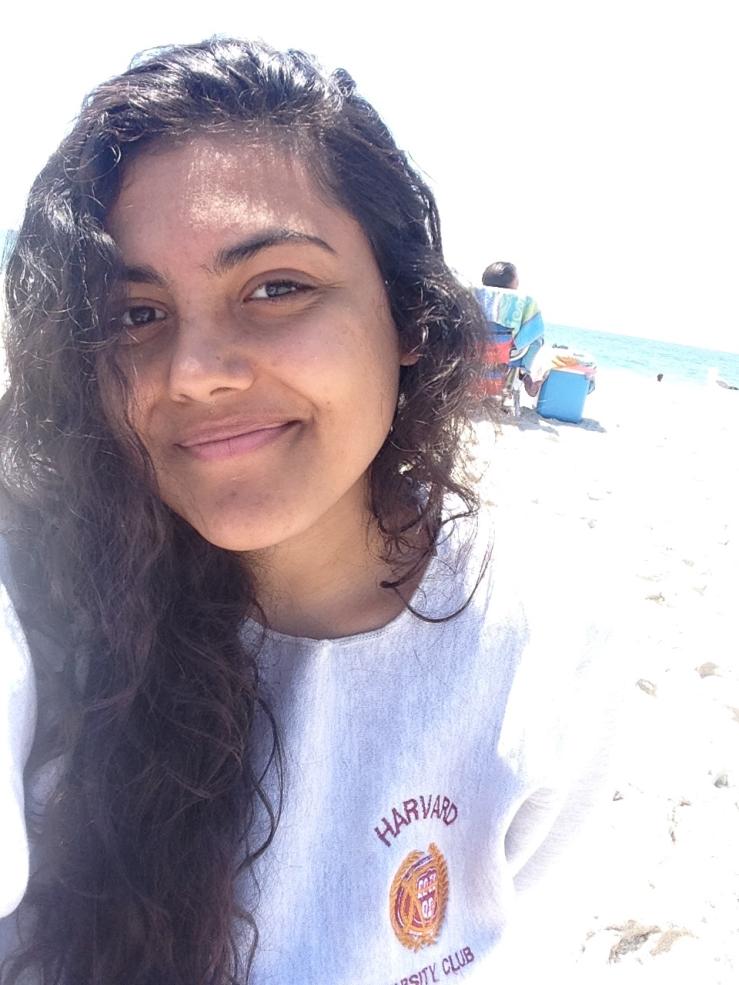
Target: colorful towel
x=509 y=311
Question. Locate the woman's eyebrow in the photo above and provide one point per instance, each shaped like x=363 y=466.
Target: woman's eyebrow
x=142 y=274
x=227 y=258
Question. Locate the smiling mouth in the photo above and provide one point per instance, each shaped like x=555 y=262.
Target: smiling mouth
x=237 y=444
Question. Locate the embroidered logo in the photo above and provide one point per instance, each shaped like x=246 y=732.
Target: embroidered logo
x=418 y=898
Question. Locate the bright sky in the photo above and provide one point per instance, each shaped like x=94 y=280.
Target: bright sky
x=591 y=143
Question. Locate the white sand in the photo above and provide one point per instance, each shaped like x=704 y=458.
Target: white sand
x=650 y=480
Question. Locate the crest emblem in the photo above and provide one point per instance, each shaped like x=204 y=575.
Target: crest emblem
x=418 y=898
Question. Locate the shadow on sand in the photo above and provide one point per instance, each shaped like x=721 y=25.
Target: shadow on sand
x=529 y=420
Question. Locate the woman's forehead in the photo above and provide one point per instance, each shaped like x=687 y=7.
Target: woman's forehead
x=208 y=179
x=212 y=183
x=185 y=204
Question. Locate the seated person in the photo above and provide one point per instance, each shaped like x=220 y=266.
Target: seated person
x=511 y=314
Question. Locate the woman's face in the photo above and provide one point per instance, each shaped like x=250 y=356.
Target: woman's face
x=262 y=360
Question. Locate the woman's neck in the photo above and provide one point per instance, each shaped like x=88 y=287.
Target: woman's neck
x=325 y=583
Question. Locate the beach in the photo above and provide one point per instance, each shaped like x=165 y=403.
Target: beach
x=647 y=486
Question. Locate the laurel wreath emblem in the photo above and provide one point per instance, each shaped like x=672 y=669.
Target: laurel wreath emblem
x=418 y=898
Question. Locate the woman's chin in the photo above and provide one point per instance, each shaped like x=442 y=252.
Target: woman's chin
x=315 y=513
x=242 y=539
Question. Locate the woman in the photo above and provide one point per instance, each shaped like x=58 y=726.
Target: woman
x=281 y=692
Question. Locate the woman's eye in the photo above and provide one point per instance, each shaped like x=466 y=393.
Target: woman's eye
x=139 y=322
x=140 y=315
x=272 y=290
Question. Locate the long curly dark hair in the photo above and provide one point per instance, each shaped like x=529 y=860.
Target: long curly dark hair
x=151 y=706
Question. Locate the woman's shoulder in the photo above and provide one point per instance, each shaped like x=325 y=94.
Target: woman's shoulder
x=572 y=676
x=536 y=597
x=17 y=726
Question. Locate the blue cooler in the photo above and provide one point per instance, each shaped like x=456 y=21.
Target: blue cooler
x=562 y=395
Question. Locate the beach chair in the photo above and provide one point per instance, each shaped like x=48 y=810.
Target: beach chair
x=502 y=380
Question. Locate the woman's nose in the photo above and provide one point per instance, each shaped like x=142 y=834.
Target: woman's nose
x=209 y=357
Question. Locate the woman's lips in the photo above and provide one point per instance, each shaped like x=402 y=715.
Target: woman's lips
x=237 y=444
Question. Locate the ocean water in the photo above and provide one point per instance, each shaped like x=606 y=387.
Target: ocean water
x=6 y=240
x=678 y=363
